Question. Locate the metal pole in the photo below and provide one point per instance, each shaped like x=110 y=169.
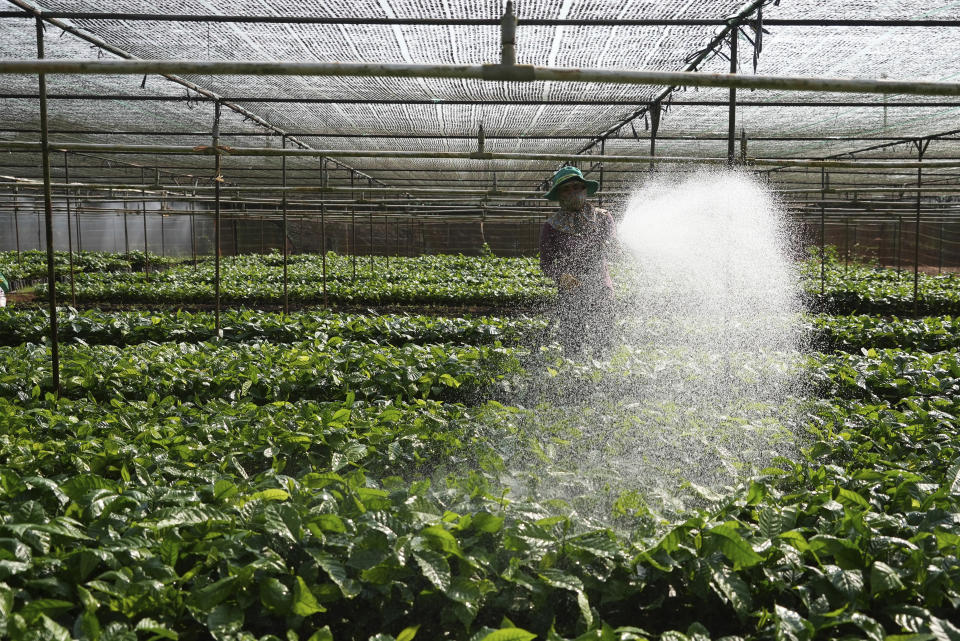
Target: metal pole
x=732 y=113
x=48 y=217
x=66 y=199
x=193 y=232
x=940 y=251
x=603 y=146
x=16 y=223
x=370 y=260
x=283 y=204
x=217 y=180
x=323 y=229
x=163 y=240
x=126 y=233
x=386 y=241
x=353 y=229
x=899 y=244
x=846 y=245
x=146 y=246
x=921 y=148
x=823 y=234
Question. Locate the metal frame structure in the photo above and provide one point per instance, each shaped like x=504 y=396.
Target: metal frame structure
x=342 y=179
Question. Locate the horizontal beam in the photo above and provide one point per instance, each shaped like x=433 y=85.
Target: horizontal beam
x=453 y=102
x=488 y=136
x=473 y=22
x=491 y=72
x=456 y=155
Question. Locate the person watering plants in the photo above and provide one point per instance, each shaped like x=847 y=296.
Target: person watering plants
x=574 y=245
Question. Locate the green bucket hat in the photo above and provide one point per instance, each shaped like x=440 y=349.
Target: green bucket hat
x=571 y=173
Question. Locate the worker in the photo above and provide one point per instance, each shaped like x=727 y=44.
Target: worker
x=4 y=288
x=574 y=245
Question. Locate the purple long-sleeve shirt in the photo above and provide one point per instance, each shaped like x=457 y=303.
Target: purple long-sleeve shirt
x=584 y=256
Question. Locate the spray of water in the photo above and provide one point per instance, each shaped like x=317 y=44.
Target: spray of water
x=700 y=390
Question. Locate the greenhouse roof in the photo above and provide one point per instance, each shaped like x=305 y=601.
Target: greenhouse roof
x=905 y=40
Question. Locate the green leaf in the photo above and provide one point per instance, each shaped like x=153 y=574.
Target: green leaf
x=732 y=589
x=304 y=603
x=158 y=630
x=323 y=634
x=509 y=634
x=734 y=546
x=224 y=621
x=273 y=494
x=337 y=573
x=790 y=626
x=79 y=486
x=849 y=583
x=211 y=595
x=275 y=595
x=434 y=567
x=486 y=522
x=449 y=380
x=884 y=578
x=407 y=634
x=440 y=538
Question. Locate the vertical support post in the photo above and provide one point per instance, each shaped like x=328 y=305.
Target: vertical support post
x=163 y=240
x=146 y=247
x=899 y=244
x=66 y=200
x=193 y=231
x=940 y=251
x=921 y=148
x=386 y=241
x=823 y=233
x=603 y=145
x=48 y=217
x=323 y=227
x=732 y=114
x=126 y=233
x=283 y=204
x=846 y=244
x=261 y=234
x=508 y=36
x=16 y=223
x=353 y=228
x=217 y=181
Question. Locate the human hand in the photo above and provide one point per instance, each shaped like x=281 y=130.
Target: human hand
x=568 y=282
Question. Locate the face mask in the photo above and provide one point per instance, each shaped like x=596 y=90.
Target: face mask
x=574 y=201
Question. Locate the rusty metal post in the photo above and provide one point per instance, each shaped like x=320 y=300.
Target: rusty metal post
x=283 y=204
x=217 y=181
x=48 y=217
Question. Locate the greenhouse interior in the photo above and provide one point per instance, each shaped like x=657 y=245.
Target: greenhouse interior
x=385 y=320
